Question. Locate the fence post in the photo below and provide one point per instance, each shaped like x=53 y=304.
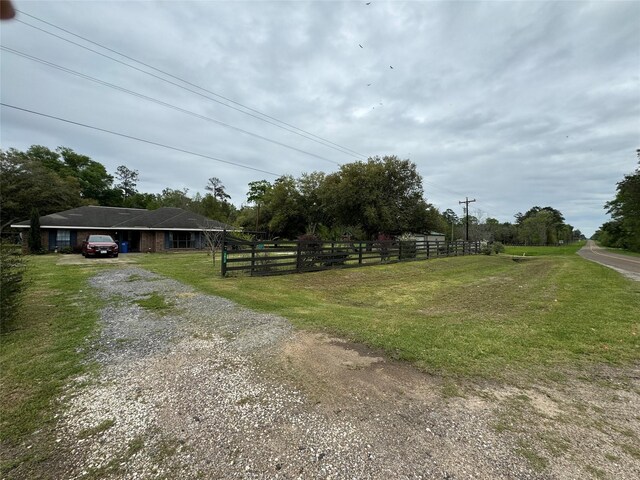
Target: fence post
x=253 y=257
x=298 y=260
x=223 y=268
x=360 y=254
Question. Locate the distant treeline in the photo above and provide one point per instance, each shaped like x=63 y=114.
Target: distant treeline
x=366 y=199
x=623 y=230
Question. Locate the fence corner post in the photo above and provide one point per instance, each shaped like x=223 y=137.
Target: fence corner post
x=223 y=268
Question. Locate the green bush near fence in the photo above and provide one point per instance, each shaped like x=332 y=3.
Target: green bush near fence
x=11 y=281
x=408 y=249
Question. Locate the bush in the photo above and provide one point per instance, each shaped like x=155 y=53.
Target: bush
x=408 y=247
x=384 y=242
x=491 y=248
x=11 y=281
x=486 y=248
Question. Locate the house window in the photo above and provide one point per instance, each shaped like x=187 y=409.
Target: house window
x=182 y=240
x=63 y=238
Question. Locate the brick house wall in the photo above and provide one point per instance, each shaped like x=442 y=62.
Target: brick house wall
x=160 y=242
x=148 y=241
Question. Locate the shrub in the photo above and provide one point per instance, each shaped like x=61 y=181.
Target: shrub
x=498 y=247
x=408 y=248
x=486 y=248
x=384 y=243
x=491 y=248
x=11 y=281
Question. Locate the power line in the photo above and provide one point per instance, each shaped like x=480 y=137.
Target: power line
x=305 y=134
x=443 y=189
x=131 y=137
x=159 y=102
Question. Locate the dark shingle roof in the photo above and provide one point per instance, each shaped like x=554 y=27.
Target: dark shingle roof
x=128 y=218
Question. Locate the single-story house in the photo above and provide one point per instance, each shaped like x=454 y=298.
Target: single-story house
x=164 y=229
x=429 y=237
x=435 y=236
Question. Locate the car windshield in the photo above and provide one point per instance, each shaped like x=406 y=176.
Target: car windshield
x=100 y=238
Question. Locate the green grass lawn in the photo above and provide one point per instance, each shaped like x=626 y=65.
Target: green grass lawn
x=39 y=353
x=544 y=251
x=474 y=316
x=621 y=251
x=480 y=316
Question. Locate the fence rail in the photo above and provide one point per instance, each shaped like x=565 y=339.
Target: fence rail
x=281 y=258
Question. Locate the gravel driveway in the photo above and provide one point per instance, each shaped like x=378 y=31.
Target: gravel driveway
x=207 y=389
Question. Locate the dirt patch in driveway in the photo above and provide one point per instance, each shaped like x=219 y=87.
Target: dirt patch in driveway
x=587 y=426
x=338 y=372
x=204 y=388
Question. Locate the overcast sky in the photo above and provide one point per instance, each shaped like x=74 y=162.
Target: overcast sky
x=514 y=104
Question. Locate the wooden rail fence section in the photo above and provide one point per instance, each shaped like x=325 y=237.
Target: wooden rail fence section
x=281 y=258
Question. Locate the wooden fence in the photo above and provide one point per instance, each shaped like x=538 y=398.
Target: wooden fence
x=281 y=258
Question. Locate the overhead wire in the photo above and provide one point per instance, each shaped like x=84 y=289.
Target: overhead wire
x=268 y=118
x=159 y=102
x=131 y=137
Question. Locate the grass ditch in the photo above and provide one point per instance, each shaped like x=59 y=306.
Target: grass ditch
x=621 y=251
x=40 y=351
x=537 y=251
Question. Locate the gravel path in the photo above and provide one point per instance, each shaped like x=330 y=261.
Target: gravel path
x=207 y=389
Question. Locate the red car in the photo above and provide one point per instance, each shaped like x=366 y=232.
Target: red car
x=99 y=245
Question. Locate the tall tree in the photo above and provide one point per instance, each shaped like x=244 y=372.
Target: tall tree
x=211 y=207
x=284 y=202
x=531 y=223
x=257 y=192
x=310 y=187
x=95 y=182
x=172 y=198
x=27 y=183
x=625 y=212
x=380 y=195
x=216 y=188
x=128 y=181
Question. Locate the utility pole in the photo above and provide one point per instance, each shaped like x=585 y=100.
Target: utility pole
x=466 y=201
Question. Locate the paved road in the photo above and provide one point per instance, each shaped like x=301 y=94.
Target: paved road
x=627 y=265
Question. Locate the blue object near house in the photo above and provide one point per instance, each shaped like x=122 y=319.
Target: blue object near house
x=124 y=247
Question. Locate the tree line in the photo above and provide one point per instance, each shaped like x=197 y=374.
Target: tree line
x=364 y=200
x=623 y=230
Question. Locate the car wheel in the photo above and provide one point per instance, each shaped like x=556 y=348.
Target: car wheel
x=115 y=256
